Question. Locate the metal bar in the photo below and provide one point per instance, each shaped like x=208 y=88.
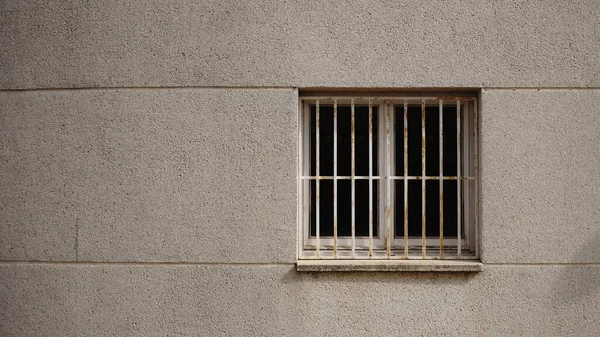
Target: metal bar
x=441 y=172
x=335 y=213
x=466 y=170
x=388 y=186
x=405 y=179
x=476 y=173
x=458 y=190
x=303 y=168
x=388 y=98
x=317 y=185
x=353 y=166
x=370 y=178
x=347 y=177
x=421 y=177
x=345 y=255
x=391 y=177
x=423 y=165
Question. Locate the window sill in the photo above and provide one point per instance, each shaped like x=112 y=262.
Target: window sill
x=389 y=265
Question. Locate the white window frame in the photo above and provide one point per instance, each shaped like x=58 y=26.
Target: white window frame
x=469 y=147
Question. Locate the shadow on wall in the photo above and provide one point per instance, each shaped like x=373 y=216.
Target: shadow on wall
x=573 y=282
x=575 y=291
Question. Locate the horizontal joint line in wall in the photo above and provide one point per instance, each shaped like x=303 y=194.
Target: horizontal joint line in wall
x=261 y=264
x=148 y=88
x=263 y=87
x=163 y=263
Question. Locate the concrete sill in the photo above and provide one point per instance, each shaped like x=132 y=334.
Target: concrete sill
x=389 y=265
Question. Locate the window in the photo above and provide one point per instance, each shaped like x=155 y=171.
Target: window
x=388 y=177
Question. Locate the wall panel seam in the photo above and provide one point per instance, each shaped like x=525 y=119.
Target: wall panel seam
x=277 y=88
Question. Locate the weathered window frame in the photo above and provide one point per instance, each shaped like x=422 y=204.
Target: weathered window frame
x=395 y=250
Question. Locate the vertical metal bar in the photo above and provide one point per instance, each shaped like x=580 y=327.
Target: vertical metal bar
x=308 y=209
x=423 y=165
x=352 y=182
x=388 y=174
x=370 y=179
x=405 y=179
x=476 y=169
x=318 y=174
x=441 y=144
x=466 y=171
x=458 y=180
x=335 y=201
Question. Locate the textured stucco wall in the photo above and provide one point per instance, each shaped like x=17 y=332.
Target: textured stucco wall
x=131 y=205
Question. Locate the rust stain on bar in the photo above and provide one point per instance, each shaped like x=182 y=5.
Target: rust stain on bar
x=317 y=185
x=388 y=168
x=335 y=214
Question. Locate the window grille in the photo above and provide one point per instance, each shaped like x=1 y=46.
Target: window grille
x=388 y=177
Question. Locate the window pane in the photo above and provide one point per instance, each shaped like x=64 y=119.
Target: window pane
x=325 y=140
x=450 y=141
x=450 y=208
x=399 y=140
x=344 y=208
x=432 y=208
x=414 y=140
x=361 y=115
x=414 y=208
x=344 y=141
x=432 y=137
x=399 y=214
x=325 y=208
x=362 y=208
x=414 y=164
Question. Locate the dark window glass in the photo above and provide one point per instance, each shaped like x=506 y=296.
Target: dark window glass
x=432 y=200
x=361 y=115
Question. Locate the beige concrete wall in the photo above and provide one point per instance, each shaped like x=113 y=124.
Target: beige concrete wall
x=131 y=206
x=274 y=300
x=149 y=175
x=319 y=43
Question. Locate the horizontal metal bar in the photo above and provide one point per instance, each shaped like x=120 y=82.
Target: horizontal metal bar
x=340 y=177
x=390 y=98
x=361 y=254
x=391 y=177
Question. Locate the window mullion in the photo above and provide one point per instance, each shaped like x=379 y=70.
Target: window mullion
x=381 y=172
x=387 y=179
